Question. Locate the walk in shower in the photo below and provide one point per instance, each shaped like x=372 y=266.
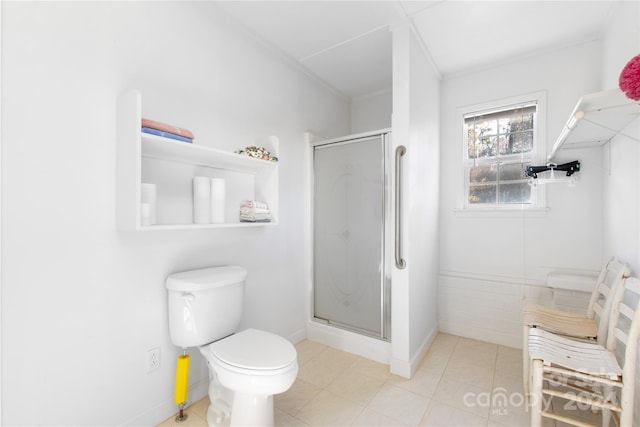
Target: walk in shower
x=350 y=196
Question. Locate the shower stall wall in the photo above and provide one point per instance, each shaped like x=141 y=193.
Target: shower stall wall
x=350 y=198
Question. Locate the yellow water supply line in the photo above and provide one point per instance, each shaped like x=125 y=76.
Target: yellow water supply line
x=182 y=384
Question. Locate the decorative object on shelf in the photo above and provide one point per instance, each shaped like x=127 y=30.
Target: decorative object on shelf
x=201 y=200
x=629 y=80
x=166 y=130
x=254 y=211
x=218 y=196
x=147 y=204
x=257 y=153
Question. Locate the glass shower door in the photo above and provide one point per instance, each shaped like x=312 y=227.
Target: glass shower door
x=348 y=222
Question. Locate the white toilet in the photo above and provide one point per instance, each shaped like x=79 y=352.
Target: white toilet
x=246 y=368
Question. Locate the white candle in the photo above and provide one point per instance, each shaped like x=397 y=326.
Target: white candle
x=201 y=199
x=218 y=195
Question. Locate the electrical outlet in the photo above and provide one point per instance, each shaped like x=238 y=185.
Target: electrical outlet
x=153 y=359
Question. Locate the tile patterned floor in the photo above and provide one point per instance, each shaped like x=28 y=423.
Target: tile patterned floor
x=460 y=382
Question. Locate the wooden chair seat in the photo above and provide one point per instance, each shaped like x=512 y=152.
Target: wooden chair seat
x=584 y=357
x=559 y=322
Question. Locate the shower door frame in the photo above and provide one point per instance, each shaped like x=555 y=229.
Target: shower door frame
x=385 y=284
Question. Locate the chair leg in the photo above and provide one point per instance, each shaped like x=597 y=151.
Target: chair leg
x=536 y=396
x=525 y=360
x=606 y=413
x=626 y=402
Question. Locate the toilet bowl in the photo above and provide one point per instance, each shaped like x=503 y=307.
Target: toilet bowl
x=254 y=365
x=245 y=368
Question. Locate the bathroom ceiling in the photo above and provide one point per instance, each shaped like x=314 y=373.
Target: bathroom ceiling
x=347 y=44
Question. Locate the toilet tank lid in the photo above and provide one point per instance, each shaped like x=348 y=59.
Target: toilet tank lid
x=205 y=278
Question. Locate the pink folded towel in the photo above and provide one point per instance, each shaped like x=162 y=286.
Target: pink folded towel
x=253 y=204
x=167 y=128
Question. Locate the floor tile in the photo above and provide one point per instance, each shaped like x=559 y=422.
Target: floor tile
x=294 y=399
x=423 y=383
x=307 y=350
x=328 y=409
x=466 y=397
x=479 y=374
x=371 y=418
x=325 y=367
x=400 y=404
x=282 y=419
x=357 y=387
x=442 y=415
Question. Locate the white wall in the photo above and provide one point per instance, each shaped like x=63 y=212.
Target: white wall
x=82 y=303
x=492 y=263
x=621 y=156
x=371 y=112
x=416 y=101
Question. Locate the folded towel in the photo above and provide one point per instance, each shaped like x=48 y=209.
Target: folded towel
x=250 y=211
x=186 y=133
x=166 y=134
x=255 y=220
x=254 y=217
x=254 y=204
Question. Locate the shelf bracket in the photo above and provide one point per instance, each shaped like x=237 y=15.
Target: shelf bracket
x=570 y=168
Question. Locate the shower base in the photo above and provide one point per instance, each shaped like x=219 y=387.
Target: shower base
x=341 y=339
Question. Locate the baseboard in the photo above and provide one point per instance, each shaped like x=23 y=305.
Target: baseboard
x=467 y=331
x=405 y=368
x=298 y=336
x=163 y=411
x=422 y=350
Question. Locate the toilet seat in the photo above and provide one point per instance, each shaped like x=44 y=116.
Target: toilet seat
x=253 y=351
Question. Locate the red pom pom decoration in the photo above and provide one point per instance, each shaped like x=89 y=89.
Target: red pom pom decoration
x=629 y=80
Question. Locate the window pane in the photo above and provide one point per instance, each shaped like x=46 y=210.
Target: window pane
x=486 y=146
x=485 y=127
x=520 y=122
x=518 y=142
x=481 y=138
x=512 y=171
x=471 y=142
x=482 y=194
x=488 y=173
x=515 y=193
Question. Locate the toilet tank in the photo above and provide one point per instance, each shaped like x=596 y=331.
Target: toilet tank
x=205 y=305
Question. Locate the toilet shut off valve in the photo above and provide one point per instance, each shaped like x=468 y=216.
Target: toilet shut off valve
x=182 y=384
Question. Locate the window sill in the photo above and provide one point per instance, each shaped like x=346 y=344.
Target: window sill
x=495 y=212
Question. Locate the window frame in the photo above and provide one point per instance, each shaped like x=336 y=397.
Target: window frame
x=538 y=196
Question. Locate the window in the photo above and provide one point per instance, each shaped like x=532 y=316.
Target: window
x=499 y=144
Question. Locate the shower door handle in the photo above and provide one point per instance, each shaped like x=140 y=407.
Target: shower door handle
x=400 y=151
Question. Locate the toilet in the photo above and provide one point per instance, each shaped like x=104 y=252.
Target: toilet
x=246 y=368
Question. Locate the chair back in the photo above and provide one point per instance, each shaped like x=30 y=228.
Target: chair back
x=624 y=325
x=605 y=294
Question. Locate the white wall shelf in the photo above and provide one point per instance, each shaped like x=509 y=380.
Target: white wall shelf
x=171 y=165
x=595 y=120
x=157 y=147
